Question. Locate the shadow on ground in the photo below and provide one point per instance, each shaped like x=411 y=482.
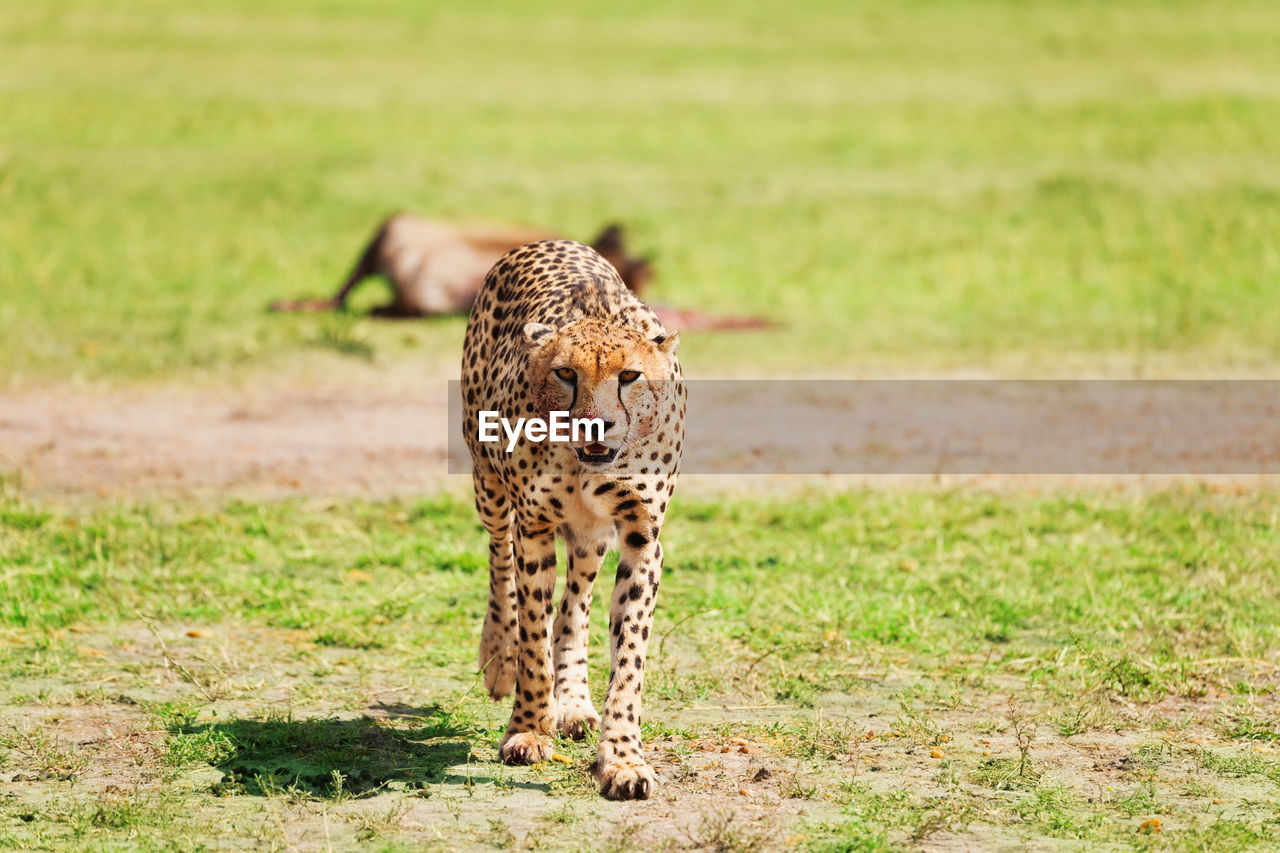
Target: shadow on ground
x=334 y=758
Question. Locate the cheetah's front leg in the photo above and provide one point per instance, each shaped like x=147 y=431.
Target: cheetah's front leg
x=573 y=697
x=533 y=717
x=620 y=768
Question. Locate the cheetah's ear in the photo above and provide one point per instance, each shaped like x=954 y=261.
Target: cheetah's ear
x=667 y=342
x=536 y=334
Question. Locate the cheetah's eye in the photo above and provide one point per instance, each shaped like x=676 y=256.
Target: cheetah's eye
x=566 y=374
x=628 y=376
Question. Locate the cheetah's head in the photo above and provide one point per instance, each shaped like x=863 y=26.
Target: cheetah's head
x=593 y=369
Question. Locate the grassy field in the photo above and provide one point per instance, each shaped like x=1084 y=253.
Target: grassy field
x=1016 y=187
x=861 y=672
x=943 y=184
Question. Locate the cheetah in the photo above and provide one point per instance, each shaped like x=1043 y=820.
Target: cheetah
x=555 y=329
x=437 y=267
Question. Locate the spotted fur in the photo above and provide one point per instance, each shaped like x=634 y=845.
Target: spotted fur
x=546 y=311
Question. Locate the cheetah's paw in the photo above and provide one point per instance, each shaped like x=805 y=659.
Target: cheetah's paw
x=525 y=748
x=627 y=779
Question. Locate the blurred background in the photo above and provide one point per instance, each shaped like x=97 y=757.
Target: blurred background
x=1024 y=188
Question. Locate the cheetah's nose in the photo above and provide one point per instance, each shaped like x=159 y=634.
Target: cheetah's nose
x=608 y=425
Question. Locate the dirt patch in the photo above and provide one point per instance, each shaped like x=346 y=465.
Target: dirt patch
x=378 y=436
x=264 y=441
x=80 y=744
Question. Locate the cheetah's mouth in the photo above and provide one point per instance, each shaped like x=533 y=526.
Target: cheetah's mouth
x=596 y=453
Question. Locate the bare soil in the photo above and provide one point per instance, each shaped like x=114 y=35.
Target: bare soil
x=377 y=435
x=268 y=440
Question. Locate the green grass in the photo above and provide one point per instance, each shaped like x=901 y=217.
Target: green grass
x=936 y=183
x=880 y=627
x=305 y=755
x=984 y=183
x=919 y=573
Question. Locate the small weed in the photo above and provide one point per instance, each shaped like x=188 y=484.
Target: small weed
x=951 y=813
x=664 y=730
x=348 y=640
x=40 y=750
x=822 y=737
x=1242 y=724
x=1005 y=774
x=1073 y=721
x=1126 y=674
x=1228 y=764
x=1196 y=789
x=989 y=726
x=799 y=787
x=1057 y=812
x=724 y=831
x=373 y=823
x=565 y=814
x=1141 y=800
x=499 y=836
x=626 y=839
x=1024 y=730
x=918 y=725
x=205 y=746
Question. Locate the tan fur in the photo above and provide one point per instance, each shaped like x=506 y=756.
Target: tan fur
x=554 y=328
x=437 y=267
